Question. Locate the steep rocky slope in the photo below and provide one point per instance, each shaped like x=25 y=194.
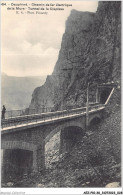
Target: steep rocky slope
x=90 y=52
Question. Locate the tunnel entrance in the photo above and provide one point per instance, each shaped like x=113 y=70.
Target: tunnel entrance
x=104 y=95
x=15 y=164
x=68 y=138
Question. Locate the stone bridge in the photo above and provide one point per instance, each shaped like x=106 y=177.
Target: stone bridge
x=23 y=138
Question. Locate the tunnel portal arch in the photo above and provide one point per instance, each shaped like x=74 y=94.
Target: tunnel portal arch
x=66 y=137
x=79 y=123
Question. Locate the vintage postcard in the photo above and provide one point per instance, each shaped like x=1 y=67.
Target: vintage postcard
x=61 y=97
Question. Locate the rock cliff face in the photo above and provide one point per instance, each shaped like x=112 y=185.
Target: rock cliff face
x=90 y=52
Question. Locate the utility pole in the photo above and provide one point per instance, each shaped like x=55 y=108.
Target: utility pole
x=63 y=96
x=87 y=108
x=97 y=95
x=44 y=102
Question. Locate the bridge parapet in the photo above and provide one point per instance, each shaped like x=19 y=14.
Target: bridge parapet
x=37 y=117
x=28 y=119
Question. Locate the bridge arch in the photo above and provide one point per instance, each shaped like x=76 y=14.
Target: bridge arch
x=66 y=137
x=94 y=119
x=78 y=124
x=18 y=158
x=69 y=136
x=94 y=122
x=18 y=145
x=52 y=133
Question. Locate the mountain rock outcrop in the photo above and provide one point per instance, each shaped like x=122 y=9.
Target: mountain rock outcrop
x=90 y=52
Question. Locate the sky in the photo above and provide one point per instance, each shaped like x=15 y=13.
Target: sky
x=31 y=42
